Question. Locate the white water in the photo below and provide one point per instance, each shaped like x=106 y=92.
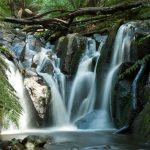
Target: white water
x=16 y=80
x=60 y=116
x=135 y=87
x=83 y=91
x=120 y=54
x=82 y=95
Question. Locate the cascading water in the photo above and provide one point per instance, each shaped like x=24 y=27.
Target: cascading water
x=54 y=82
x=68 y=109
x=83 y=89
x=82 y=95
x=28 y=118
x=120 y=54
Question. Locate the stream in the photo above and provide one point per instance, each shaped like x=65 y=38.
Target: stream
x=72 y=121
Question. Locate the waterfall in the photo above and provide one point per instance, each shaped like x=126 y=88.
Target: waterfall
x=56 y=82
x=135 y=87
x=66 y=109
x=120 y=54
x=82 y=97
x=27 y=119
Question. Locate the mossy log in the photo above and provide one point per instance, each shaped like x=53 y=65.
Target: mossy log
x=66 y=20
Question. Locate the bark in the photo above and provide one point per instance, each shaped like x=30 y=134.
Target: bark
x=35 y=22
x=64 y=22
x=106 y=10
x=77 y=13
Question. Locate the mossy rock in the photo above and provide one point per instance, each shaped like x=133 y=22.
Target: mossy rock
x=142 y=45
x=70 y=49
x=5 y=51
x=121 y=103
x=141 y=125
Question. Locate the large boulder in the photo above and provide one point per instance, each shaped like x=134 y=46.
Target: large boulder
x=89 y=121
x=34 y=142
x=69 y=49
x=122 y=97
x=39 y=93
x=140 y=46
x=141 y=125
x=121 y=103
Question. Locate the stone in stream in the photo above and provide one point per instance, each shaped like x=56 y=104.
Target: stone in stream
x=34 y=142
x=13 y=144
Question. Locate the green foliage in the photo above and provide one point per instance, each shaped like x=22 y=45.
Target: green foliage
x=145 y=11
x=142 y=39
x=135 y=66
x=10 y=108
x=113 y=2
x=4 y=9
x=5 y=51
x=45 y=5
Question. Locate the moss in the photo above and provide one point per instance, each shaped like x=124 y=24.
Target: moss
x=6 y=52
x=142 y=39
x=144 y=12
x=114 y=2
x=134 y=67
x=10 y=108
x=142 y=123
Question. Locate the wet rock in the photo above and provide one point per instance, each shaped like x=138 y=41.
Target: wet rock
x=34 y=43
x=18 y=47
x=141 y=124
x=6 y=39
x=28 y=72
x=13 y=144
x=58 y=44
x=69 y=49
x=38 y=92
x=34 y=142
x=99 y=38
x=121 y=104
x=140 y=46
x=5 y=145
x=17 y=145
x=123 y=130
x=37 y=57
x=88 y=121
x=48 y=67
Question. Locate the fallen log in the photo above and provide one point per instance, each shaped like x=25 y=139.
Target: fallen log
x=35 y=22
x=82 y=11
x=106 y=10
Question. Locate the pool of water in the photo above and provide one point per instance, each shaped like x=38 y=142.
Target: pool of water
x=85 y=140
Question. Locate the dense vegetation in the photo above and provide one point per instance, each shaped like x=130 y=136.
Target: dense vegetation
x=60 y=17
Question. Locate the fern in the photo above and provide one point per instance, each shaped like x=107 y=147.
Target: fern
x=10 y=108
x=134 y=66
